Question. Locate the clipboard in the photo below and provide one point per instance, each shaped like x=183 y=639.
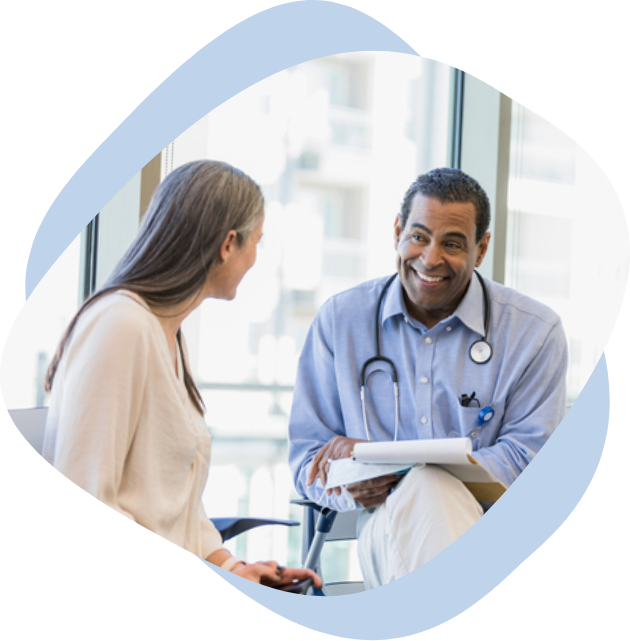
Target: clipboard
x=371 y=460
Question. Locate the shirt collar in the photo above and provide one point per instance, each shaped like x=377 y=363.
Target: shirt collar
x=394 y=303
x=470 y=310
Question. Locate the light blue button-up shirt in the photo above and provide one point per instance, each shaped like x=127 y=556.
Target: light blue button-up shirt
x=524 y=381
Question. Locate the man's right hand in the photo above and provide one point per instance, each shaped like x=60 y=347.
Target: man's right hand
x=337 y=447
x=369 y=493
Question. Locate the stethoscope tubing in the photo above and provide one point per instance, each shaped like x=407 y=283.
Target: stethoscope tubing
x=481 y=347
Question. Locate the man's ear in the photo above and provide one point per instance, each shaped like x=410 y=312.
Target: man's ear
x=228 y=246
x=397 y=231
x=482 y=248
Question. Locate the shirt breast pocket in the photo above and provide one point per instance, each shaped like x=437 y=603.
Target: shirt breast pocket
x=468 y=425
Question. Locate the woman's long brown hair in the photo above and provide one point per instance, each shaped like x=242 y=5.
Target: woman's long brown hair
x=178 y=243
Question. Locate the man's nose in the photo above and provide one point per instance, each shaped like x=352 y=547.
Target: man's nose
x=431 y=256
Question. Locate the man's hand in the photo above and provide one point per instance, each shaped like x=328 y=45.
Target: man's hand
x=367 y=493
x=337 y=447
x=373 y=492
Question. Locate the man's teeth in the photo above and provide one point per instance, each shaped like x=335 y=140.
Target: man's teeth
x=429 y=279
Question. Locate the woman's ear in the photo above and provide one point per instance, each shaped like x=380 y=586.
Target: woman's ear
x=228 y=246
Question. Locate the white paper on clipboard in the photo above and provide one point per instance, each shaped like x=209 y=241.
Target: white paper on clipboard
x=345 y=471
x=439 y=451
x=371 y=460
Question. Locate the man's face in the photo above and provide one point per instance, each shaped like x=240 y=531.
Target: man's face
x=437 y=253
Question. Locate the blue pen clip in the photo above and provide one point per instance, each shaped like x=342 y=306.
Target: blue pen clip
x=485 y=416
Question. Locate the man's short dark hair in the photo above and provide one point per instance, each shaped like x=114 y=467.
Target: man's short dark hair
x=450 y=186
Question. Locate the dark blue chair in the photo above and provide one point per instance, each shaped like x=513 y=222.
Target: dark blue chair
x=233 y=526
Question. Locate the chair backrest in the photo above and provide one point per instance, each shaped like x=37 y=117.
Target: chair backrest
x=32 y=424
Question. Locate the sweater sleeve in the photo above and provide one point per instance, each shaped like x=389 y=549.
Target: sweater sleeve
x=105 y=371
x=211 y=540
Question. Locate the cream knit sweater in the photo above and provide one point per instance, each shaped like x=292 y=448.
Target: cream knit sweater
x=122 y=427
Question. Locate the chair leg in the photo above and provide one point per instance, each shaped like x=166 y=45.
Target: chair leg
x=324 y=525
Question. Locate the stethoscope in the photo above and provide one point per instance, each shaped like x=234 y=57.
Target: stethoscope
x=480 y=352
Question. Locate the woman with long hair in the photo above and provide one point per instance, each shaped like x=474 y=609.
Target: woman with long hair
x=126 y=418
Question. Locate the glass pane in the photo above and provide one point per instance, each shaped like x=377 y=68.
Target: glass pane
x=37 y=331
x=334 y=143
x=555 y=193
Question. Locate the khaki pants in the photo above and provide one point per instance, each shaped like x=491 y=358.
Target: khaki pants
x=428 y=510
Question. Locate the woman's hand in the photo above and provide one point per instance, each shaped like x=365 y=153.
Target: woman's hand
x=266 y=572
x=273 y=575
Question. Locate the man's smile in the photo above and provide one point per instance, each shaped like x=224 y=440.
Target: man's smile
x=428 y=279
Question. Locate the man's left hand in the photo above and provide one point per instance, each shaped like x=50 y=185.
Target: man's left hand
x=373 y=492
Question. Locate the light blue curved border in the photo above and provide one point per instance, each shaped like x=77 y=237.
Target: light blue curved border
x=251 y=51
x=537 y=503
x=535 y=506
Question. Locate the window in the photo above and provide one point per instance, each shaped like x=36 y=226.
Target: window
x=334 y=144
x=558 y=249
x=319 y=139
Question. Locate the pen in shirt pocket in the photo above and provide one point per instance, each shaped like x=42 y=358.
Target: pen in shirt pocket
x=467 y=401
x=485 y=415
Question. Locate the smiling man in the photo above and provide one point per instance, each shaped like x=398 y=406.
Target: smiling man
x=438 y=250
x=451 y=336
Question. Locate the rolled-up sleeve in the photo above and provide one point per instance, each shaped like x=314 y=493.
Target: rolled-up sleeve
x=316 y=415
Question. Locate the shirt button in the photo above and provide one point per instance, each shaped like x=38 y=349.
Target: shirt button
x=423 y=419
x=428 y=340
x=473 y=434
x=424 y=380
x=406 y=320
x=449 y=328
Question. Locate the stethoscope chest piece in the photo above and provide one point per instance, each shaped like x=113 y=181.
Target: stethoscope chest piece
x=480 y=352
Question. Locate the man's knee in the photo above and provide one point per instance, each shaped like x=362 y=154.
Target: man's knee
x=431 y=489
x=428 y=510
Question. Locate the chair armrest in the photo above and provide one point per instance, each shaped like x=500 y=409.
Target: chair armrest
x=231 y=527
x=308 y=503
